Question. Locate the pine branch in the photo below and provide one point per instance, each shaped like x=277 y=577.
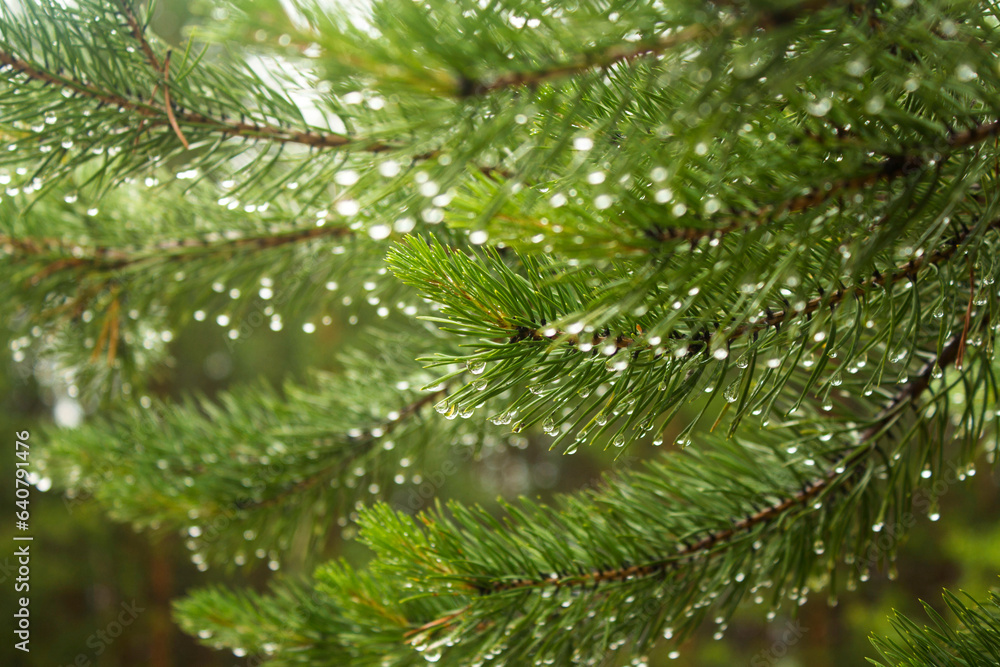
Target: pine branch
x=975 y=642
x=360 y=444
x=256 y=463
x=116 y=258
x=139 y=33
x=712 y=544
x=161 y=114
x=840 y=161
x=484 y=300
x=890 y=169
x=473 y=576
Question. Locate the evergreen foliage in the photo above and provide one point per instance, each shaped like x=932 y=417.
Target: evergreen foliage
x=760 y=234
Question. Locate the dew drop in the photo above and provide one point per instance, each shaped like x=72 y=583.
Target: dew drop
x=389 y=168
x=379 y=232
x=732 y=392
x=820 y=107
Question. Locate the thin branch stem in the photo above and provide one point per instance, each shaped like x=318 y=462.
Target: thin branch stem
x=112 y=258
x=890 y=169
x=161 y=115
x=139 y=33
x=909 y=270
x=627 y=53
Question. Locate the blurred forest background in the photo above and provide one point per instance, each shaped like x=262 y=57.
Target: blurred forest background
x=84 y=567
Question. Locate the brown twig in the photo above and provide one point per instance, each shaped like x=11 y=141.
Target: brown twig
x=139 y=33
x=167 y=104
x=113 y=316
x=109 y=257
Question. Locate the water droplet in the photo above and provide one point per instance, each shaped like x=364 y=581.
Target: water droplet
x=389 y=168
x=379 y=232
x=732 y=392
x=475 y=366
x=348 y=207
x=663 y=195
x=820 y=107
x=856 y=67
x=875 y=104
x=965 y=72
x=616 y=365
x=346 y=177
